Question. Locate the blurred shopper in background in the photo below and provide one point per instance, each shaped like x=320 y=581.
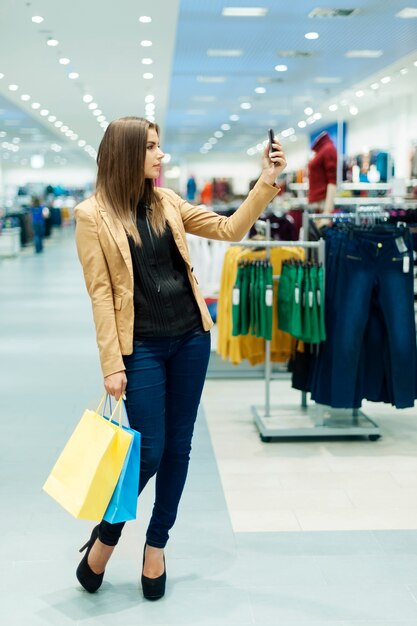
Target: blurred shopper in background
x=38 y=223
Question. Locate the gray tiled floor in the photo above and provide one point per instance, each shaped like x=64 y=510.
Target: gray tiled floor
x=49 y=374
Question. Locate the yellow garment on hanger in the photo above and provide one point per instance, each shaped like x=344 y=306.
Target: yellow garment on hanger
x=248 y=346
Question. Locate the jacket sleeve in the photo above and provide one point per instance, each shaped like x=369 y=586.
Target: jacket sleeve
x=98 y=283
x=206 y=223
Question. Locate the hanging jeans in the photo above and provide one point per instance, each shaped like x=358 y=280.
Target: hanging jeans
x=370 y=351
x=165 y=378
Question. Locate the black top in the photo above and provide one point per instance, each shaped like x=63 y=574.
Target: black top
x=164 y=303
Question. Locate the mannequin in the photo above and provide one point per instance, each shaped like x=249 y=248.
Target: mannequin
x=322 y=174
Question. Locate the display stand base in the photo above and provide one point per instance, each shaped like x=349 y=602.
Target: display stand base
x=290 y=421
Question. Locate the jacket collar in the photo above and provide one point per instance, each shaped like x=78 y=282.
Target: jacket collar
x=118 y=233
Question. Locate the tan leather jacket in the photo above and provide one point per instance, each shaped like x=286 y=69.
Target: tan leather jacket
x=104 y=253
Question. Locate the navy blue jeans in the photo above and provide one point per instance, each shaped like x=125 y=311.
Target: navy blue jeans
x=371 y=347
x=165 y=378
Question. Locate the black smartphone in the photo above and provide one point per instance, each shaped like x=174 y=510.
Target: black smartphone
x=271 y=136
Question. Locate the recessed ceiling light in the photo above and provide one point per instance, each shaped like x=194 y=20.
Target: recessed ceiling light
x=145 y=19
x=52 y=42
x=375 y=86
x=150 y=107
x=68 y=133
x=308 y=111
x=317 y=116
x=37 y=19
x=44 y=112
x=353 y=110
x=246 y=105
x=244 y=11
x=36 y=105
x=52 y=118
x=363 y=54
x=64 y=61
x=260 y=90
x=147 y=61
x=281 y=68
x=385 y=80
x=58 y=124
x=407 y=13
x=302 y=124
x=13 y=87
x=211 y=79
x=87 y=98
x=146 y=43
x=148 y=75
x=224 y=53
x=82 y=143
x=149 y=98
x=234 y=118
x=415 y=63
x=97 y=112
x=360 y=93
x=312 y=35
x=25 y=97
x=404 y=71
x=1 y=75
x=92 y=106
x=218 y=134
x=225 y=127
x=212 y=140
x=203 y=150
x=73 y=75
x=101 y=118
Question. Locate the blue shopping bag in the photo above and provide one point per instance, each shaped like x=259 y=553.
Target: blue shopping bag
x=122 y=506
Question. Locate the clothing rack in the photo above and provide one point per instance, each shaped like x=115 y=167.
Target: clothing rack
x=377 y=212
x=303 y=421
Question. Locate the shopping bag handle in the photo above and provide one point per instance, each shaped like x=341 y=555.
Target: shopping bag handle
x=119 y=405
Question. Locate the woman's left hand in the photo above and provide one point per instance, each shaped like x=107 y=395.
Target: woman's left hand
x=273 y=164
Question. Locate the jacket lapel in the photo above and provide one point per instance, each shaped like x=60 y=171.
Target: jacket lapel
x=118 y=233
x=179 y=236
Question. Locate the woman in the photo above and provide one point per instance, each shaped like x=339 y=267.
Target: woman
x=152 y=324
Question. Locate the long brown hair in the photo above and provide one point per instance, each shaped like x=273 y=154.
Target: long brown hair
x=121 y=182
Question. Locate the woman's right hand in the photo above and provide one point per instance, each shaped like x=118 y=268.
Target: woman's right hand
x=115 y=384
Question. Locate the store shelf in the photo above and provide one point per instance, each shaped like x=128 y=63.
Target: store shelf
x=365 y=186
x=363 y=201
x=298 y=186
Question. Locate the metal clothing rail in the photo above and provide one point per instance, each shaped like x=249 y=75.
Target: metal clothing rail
x=353 y=215
x=302 y=421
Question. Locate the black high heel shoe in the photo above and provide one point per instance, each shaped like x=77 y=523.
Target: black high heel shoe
x=88 y=579
x=153 y=588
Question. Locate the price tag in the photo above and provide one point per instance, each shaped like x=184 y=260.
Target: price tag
x=401 y=245
x=297 y=295
x=268 y=296
x=310 y=299
x=406 y=264
x=236 y=296
x=318 y=294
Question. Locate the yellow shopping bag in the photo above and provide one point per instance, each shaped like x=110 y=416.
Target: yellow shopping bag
x=85 y=475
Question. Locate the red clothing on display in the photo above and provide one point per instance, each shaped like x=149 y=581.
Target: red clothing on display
x=322 y=168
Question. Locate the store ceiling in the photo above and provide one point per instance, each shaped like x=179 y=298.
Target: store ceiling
x=196 y=90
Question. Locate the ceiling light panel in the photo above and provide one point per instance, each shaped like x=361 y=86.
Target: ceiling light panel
x=363 y=54
x=224 y=53
x=244 y=11
x=407 y=13
x=328 y=13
